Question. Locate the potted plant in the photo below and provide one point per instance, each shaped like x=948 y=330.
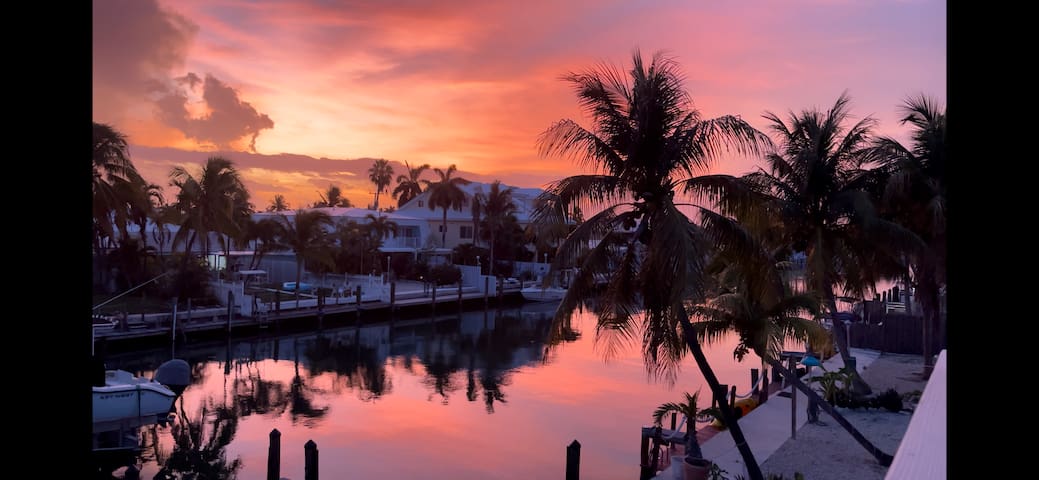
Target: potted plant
x=695 y=467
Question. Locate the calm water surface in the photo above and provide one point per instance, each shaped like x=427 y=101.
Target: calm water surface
x=477 y=395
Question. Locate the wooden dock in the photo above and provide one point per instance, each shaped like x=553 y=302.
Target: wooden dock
x=333 y=309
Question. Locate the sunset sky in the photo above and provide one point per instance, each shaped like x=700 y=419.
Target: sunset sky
x=470 y=82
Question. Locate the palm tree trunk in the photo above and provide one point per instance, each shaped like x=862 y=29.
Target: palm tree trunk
x=443 y=231
x=728 y=416
x=840 y=334
x=492 y=251
x=881 y=457
x=928 y=289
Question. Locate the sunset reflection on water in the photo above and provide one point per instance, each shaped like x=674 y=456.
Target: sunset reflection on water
x=470 y=396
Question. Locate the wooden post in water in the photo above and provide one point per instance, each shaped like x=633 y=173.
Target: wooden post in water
x=189 y=310
x=459 y=295
x=320 y=310
x=501 y=289
x=486 y=290
x=644 y=447
x=393 y=297
x=573 y=461
x=754 y=381
x=674 y=420
x=230 y=310
x=310 y=460
x=357 y=303
x=434 y=299
x=732 y=397
x=274 y=456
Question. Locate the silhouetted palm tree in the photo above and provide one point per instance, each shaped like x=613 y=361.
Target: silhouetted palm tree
x=757 y=303
x=409 y=186
x=446 y=193
x=267 y=234
x=211 y=203
x=381 y=173
x=821 y=210
x=278 y=204
x=498 y=207
x=333 y=197
x=691 y=409
x=305 y=234
x=649 y=142
x=116 y=187
x=381 y=226
x=913 y=181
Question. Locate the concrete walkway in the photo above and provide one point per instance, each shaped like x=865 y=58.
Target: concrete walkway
x=766 y=427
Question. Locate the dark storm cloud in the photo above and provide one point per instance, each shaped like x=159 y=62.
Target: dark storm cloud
x=138 y=49
x=228 y=120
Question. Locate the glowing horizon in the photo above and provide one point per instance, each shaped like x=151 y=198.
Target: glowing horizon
x=471 y=83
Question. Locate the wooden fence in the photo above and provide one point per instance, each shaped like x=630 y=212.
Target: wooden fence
x=892 y=333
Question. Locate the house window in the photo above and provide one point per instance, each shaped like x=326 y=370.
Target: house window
x=466 y=232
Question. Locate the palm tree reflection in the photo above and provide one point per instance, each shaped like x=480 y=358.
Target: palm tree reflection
x=199 y=445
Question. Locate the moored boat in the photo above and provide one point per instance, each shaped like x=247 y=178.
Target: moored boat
x=537 y=293
x=125 y=396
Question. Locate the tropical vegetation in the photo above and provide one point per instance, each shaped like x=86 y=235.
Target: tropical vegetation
x=381 y=173
x=446 y=193
x=648 y=144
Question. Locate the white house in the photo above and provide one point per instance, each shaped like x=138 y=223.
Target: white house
x=419 y=227
x=460 y=222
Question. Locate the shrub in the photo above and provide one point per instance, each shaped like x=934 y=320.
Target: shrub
x=445 y=274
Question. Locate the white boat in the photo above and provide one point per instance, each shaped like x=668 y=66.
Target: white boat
x=537 y=293
x=126 y=396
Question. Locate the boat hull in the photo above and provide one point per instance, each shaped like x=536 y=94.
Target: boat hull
x=538 y=294
x=115 y=402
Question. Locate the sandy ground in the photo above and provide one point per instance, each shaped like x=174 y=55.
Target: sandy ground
x=829 y=452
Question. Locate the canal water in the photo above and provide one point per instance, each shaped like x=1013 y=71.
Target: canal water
x=472 y=395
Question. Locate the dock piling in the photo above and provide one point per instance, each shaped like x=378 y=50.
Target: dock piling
x=274 y=456
x=573 y=461
x=310 y=460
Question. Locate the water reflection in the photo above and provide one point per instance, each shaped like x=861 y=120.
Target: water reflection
x=444 y=390
x=474 y=351
x=200 y=443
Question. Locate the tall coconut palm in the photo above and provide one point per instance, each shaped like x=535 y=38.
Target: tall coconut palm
x=381 y=173
x=913 y=193
x=142 y=212
x=267 y=234
x=758 y=303
x=812 y=189
x=476 y=209
x=305 y=234
x=116 y=184
x=649 y=143
x=278 y=204
x=446 y=193
x=333 y=197
x=409 y=186
x=497 y=208
x=211 y=203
